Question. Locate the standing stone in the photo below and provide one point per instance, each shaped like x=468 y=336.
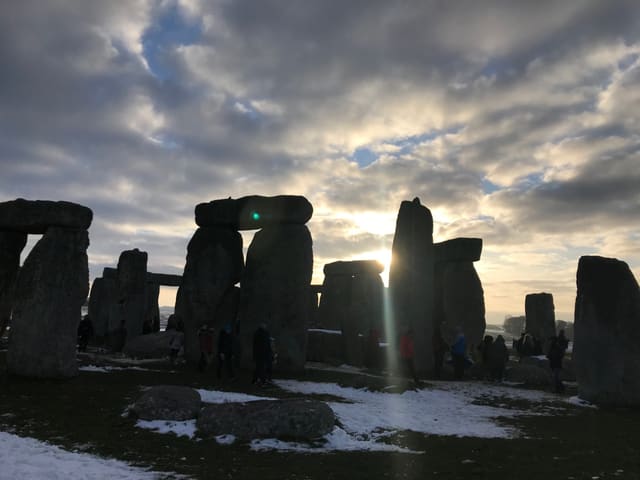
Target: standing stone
x=606 y=350
x=11 y=245
x=151 y=322
x=540 y=316
x=462 y=303
x=411 y=281
x=132 y=283
x=275 y=290
x=214 y=265
x=352 y=301
x=52 y=287
x=103 y=313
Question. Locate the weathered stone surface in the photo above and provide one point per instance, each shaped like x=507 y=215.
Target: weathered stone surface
x=411 y=280
x=132 y=283
x=462 y=303
x=254 y=212
x=151 y=321
x=325 y=346
x=275 y=290
x=52 y=287
x=152 y=345
x=540 y=316
x=11 y=245
x=36 y=216
x=288 y=418
x=606 y=349
x=214 y=265
x=458 y=250
x=103 y=307
x=336 y=294
x=354 y=267
x=167 y=402
x=529 y=374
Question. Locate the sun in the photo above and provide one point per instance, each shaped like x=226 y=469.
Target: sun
x=382 y=256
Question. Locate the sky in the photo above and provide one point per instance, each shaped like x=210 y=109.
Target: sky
x=515 y=122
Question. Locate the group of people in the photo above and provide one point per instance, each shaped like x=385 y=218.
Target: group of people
x=494 y=355
x=227 y=352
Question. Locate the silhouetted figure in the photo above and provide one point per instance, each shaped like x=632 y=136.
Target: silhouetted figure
x=262 y=355
x=518 y=345
x=484 y=349
x=407 y=354
x=85 y=333
x=225 y=351
x=497 y=359
x=555 y=356
x=440 y=348
x=528 y=346
x=205 y=335
x=458 y=354
x=563 y=341
x=175 y=344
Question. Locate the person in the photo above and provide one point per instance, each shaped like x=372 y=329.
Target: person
x=563 y=341
x=458 y=354
x=555 y=356
x=497 y=359
x=175 y=344
x=225 y=351
x=85 y=333
x=439 y=350
x=407 y=353
x=484 y=349
x=262 y=354
x=518 y=346
x=205 y=335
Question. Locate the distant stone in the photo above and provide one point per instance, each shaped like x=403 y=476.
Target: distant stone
x=514 y=325
x=529 y=374
x=214 y=265
x=167 y=402
x=411 y=279
x=132 y=283
x=157 y=278
x=295 y=419
x=104 y=310
x=152 y=345
x=52 y=287
x=36 y=216
x=151 y=320
x=275 y=290
x=458 y=250
x=606 y=349
x=254 y=212
x=325 y=346
x=540 y=316
x=354 y=267
x=11 y=246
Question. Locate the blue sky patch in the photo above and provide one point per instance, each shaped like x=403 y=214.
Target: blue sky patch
x=364 y=157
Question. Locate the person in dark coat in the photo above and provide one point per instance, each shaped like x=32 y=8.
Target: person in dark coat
x=497 y=358
x=205 y=337
x=407 y=354
x=85 y=333
x=225 y=352
x=563 y=341
x=440 y=348
x=262 y=354
x=555 y=356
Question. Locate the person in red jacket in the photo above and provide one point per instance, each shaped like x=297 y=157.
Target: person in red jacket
x=407 y=353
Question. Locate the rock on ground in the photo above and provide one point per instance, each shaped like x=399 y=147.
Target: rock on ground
x=167 y=402
x=289 y=418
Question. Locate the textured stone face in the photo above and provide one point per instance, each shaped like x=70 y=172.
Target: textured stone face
x=254 y=212
x=540 y=316
x=11 y=245
x=35 y=216
x=132 y=275
x=275 y=290
x=214 y=265
x=52 y=286
x=606 y=350
x=151 y=320
x=462 y=302
x=103 y=311
x=168 y=402
x=458 y=250
x=355 y=267
x=288 y=418
x=411 y=279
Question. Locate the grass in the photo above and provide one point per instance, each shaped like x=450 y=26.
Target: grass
x=85 y=414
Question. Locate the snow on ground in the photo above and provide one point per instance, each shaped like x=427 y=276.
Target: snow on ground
x=186 y=428
x=22 y=457
x=108 y=369
x=367 y=418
